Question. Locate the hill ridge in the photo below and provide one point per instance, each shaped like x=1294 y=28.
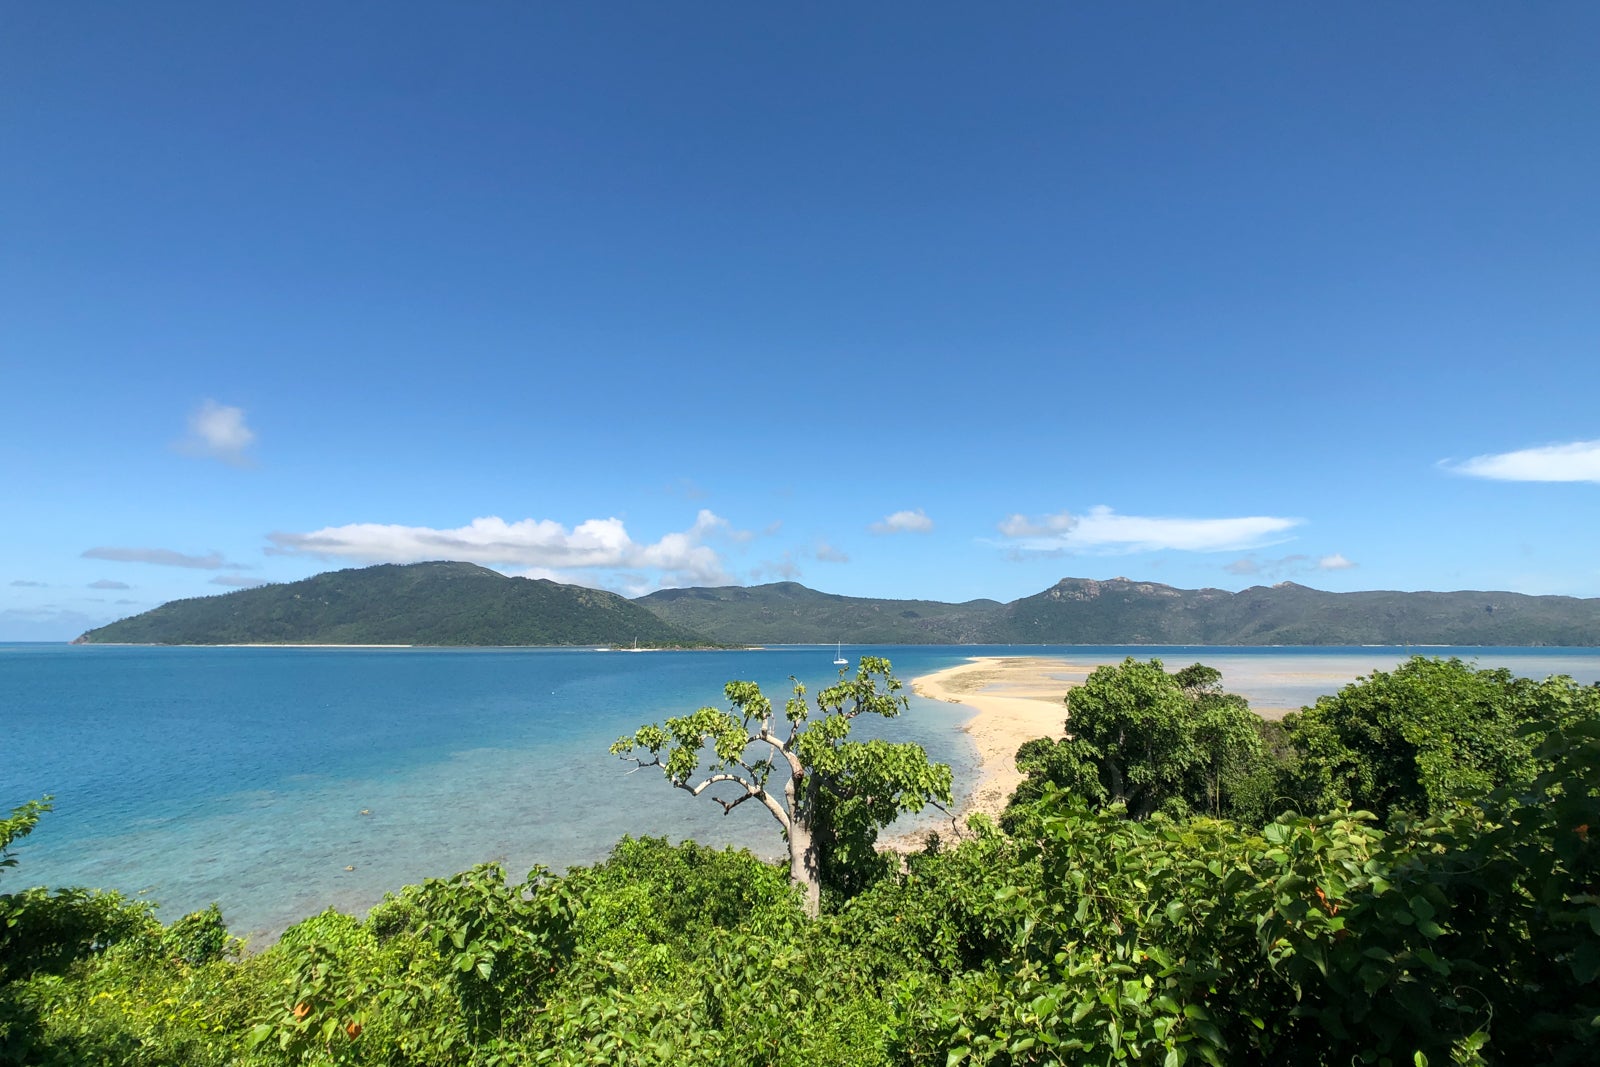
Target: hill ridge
x=457 y=603
x=447 y=603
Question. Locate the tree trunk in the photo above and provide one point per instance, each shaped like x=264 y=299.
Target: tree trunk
x=1118 y=790
x=803 y=867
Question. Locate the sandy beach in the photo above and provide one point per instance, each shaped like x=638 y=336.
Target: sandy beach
x=1016 y=699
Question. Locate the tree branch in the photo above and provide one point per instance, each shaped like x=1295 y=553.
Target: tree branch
x=729 y=805
x=750 y=790
x=696 y=790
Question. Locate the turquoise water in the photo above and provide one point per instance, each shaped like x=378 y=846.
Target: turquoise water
x=240 y=774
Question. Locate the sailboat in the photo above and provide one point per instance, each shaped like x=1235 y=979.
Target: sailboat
x=838 y=657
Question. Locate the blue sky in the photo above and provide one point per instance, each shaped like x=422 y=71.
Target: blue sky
x=895 y=300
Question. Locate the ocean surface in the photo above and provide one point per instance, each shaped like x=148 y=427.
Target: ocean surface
x=255 y=776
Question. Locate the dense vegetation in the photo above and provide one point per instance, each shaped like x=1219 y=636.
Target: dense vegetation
x=1457 y=923
x=1152 y=741
x=420 y=604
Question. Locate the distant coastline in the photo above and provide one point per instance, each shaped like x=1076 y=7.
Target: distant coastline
x=237 y=644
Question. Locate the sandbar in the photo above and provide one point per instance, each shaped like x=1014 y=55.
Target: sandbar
x=1016 y=699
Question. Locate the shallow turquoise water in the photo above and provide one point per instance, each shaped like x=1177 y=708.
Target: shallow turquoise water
x=239 y=774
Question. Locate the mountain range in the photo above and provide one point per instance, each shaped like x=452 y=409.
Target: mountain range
x=465 y=604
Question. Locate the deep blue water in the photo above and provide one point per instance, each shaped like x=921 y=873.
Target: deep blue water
x=240 y=774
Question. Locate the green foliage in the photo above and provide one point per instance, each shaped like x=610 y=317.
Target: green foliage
x=126 y=1007
x=1266 y=785
x=198 y=938
x=17 y=825
x=651 y=896
x=88 y=976
x=1429 y=731
x=830 y=795
x=48 y=930
x=1322 y=941
x=1149 y=741
x=501 y=941
x=949 y=911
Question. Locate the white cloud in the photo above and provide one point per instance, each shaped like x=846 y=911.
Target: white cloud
x=238 y=581
x=107 y=583
x=218 y=431
x=545 y=547
x=1298 y=563
x=1253 y=564
x=1102 y=531
x=826 y=553
x=785 y=569
x=1578 y=461
x=903 y=522
x=163 y=557
x=788 y=567
x=1022 y=526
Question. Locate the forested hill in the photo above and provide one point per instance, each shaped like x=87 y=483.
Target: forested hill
x=1118 y=611
x=1077 y=611
x=419 y=604
x=790 y=613
x=464 y=604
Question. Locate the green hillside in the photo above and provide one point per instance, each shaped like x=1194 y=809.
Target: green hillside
x=419 y=604
x=790 y=613
x=1082 y=611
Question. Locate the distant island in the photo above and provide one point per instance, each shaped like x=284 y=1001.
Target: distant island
x=463 y=604
x=393 y=604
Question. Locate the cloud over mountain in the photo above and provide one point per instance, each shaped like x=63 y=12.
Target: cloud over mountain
x=541 y=545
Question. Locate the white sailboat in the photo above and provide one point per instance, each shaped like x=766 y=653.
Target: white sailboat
x=838 y=657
